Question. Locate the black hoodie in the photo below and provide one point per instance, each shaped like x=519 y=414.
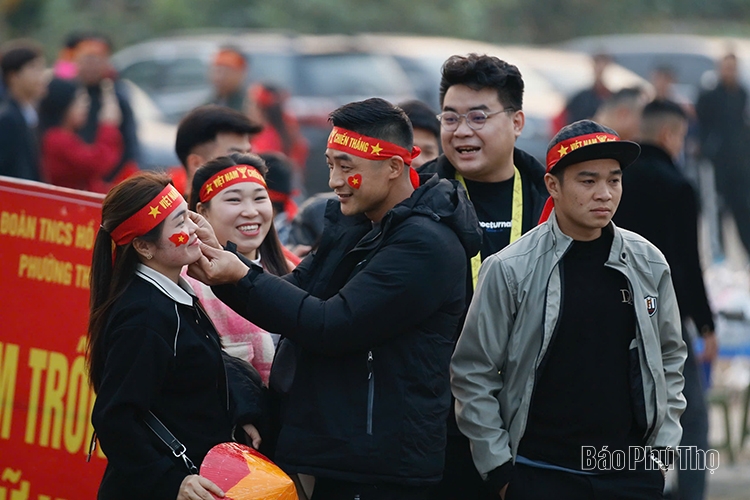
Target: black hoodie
x=374 y=315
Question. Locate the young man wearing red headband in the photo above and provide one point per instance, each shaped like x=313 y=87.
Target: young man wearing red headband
x=370 y=316
x=482 y=116
x=568 y=373
x=208 y=132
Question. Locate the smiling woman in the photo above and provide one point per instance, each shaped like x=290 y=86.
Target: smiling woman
x=152 y=350
x=231 y=193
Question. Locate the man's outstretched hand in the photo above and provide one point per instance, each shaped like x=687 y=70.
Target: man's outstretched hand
x=217 y=267
x=204 y=232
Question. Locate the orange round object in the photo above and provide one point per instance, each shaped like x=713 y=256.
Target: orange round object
x=244 y=474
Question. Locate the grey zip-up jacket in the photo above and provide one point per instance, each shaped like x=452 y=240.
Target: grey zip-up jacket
x=510 y=324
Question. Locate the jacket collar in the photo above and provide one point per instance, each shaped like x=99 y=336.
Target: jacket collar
x=653 y=152
x=526 y=164
x=562 y=241
x=182 y=293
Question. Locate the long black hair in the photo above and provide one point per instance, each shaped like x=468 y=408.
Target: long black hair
x=113 y=268
x=270 y=248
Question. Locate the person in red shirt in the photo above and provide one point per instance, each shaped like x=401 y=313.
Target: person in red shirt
x=67 y=160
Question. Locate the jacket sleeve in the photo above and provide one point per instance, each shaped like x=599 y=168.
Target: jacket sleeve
x=477 y=369
x=135 y=366
x=9 y=144
x=76 y=158
x=247 y=393
x=698 y=307
x=129 y=130
x=673 y=353
x=404 y=283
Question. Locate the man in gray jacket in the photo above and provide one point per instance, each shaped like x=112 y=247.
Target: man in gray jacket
x=568 y=373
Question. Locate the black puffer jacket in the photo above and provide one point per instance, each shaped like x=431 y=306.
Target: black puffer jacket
x=374 y=314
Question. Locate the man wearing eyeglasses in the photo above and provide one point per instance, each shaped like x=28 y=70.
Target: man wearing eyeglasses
x=482 y=116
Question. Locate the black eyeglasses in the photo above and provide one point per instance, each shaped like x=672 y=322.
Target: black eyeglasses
x=475 y=119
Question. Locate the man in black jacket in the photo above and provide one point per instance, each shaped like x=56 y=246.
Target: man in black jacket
x=724 y=134
x=22 y=68
x=481 y=101
x=660 y=204
x=372 y=314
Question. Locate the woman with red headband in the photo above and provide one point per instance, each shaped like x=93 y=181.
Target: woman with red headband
x=152 y=350
x=231 y=193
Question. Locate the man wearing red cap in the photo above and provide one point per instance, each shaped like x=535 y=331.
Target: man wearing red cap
x=568 y=373
x=370 y=317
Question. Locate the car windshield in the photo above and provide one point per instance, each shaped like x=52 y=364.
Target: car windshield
x=339 y=75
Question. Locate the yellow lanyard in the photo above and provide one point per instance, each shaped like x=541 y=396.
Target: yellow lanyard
x=516 y=219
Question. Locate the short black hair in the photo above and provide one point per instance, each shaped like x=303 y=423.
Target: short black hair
x=204 y=123
x=280 y=172
x=658 y=114
x=422 y=116
x=16 y=54
x=482 y=71
x=376 y=118
x=626 y=96
x=664 y=107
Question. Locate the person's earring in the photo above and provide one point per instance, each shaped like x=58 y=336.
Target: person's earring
x=149 y=256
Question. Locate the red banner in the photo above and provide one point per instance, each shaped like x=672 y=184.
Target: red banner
x=46 y=238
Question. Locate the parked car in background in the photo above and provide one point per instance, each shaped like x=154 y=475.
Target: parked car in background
x=155 y=136
x=422 y=57
x=570 y=72
x=320 y=73
x=691 y=57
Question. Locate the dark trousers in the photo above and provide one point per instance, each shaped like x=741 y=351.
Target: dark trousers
x=694 y=421
x=531 y=483
x=732 y=183
x=331 y=489
x=460 y=478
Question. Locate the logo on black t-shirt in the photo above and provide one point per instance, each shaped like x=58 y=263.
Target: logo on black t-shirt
x=627 y=297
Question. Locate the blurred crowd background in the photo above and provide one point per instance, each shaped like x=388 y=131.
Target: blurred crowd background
x=119 y=75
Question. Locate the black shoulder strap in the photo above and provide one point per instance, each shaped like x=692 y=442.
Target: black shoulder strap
x=178 y=449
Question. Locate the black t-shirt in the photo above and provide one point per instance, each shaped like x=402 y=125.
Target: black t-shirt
x=582 y=393
x=493 y=202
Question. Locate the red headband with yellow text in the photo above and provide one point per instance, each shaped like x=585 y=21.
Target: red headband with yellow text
x=228 y=177
x=368 y=148
x=559 y=150
x=230 y=59
x=562 y=148
x=148 y=217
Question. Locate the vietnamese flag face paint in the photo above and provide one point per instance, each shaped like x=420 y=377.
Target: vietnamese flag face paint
x=355 y=181
x=179 y=239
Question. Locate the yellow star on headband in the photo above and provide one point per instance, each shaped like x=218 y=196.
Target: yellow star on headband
x=376 y=149
x=562 y=151
x=154 y=212
x=209 y=188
